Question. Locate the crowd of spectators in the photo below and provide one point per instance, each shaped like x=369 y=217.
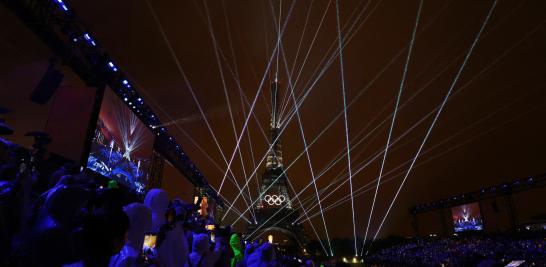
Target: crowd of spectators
x=55 y=214
x=65 y=217
x=467 y=250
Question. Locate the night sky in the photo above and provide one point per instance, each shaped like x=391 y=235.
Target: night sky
x=491 y=130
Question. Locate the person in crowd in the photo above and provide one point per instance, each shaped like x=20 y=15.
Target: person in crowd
x=237 y=248
x=201 y=255
x=140 y=221
x=55 y=227
x=222 y=236
x=104 y=236
x=157 y=201
x=172 y=244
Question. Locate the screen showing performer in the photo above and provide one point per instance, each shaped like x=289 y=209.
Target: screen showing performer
x=467 y=217
x=122 y=145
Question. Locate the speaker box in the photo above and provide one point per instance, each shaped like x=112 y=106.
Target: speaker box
x=47 y=86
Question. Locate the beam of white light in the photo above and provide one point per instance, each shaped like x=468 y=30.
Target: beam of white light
x=289 y=182
x=130 y=128
x=253 y=104
x=484 y=70
x=152 y=100
x=426 y=85
x=309 y=9
x=186 y=80
x=332 y=58
x=333 y=47
x=226 y=95
x=280 y=48
x=332 y=121
x=278 y=44
x=308 y=156
x=364 y=189
x=400 y=90
x=306 y=215
x=342 y=74
x=312 y=176
x=242 y=96
x=491 y=64
x=233 y=71
x=224 y=199
x=455 y=80
x=285 y=123
x=359 y=94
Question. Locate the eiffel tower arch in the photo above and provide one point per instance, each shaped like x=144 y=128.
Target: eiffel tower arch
x=274 y=210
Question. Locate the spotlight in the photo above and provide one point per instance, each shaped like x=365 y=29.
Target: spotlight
x=139 y=99
x=112 y=66
x=125 y=82
x=62 y=5
x=125 y=99
x=89 y=39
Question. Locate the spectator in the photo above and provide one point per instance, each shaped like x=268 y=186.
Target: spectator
x=140 y=221
x=157 y=201
x=201 y=255
x=237 y=247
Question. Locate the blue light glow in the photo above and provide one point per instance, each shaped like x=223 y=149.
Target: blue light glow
x=112 y=66
x=62 y=5
x=89 y=39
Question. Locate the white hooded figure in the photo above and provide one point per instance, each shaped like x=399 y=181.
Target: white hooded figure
x=173 y=250
x=157 y=201
x=140 y=221
x=201 y=255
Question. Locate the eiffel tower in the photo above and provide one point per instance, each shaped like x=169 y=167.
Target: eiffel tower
x=274 y=211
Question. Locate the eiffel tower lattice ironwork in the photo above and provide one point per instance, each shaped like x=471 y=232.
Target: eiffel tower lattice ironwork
x=274 y=211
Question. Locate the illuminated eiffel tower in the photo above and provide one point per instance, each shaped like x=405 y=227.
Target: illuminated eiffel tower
x=274 y=211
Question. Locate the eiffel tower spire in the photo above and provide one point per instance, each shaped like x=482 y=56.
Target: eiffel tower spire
x=274 y=157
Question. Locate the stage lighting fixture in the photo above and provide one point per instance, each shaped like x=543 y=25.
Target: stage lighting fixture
x=125 y=82
x=89 y=39
x=62 y=5
x=139 y=99
x=112 y=66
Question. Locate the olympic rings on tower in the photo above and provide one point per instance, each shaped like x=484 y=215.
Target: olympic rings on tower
x=274 y=199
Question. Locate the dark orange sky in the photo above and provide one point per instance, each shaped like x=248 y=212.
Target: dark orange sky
x=490 y=131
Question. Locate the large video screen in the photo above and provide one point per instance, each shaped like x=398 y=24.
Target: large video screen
x=122 y=145
x=467 y=217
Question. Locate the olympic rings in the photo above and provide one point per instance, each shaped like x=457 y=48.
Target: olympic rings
x=274 y=199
